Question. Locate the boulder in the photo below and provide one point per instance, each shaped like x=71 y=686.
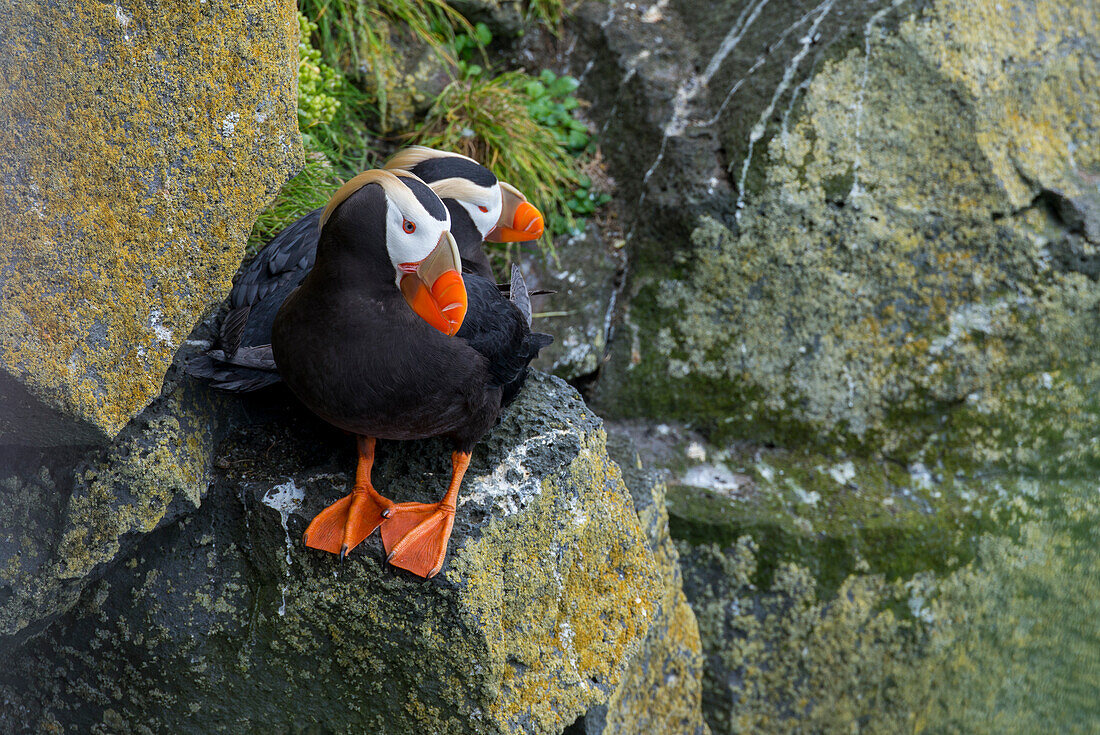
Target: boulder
x=139 y=143
x=899 y=258
x=66 y=516
x=223 y=622
x=1004 y=643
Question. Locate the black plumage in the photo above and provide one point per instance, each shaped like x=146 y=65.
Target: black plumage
x=258 y=293
x=351 y=347
x=269 y=278
x=352 y=350
x=499 y=329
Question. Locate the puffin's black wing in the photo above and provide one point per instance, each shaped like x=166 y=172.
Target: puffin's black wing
x=264 y=285
x=241 y=361
x=248 y=369
x=497 y=329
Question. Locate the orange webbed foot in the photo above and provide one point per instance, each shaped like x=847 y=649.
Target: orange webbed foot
x=344 y=525
x=416 y=534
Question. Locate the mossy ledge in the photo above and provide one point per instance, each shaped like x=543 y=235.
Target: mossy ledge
x=224 y=622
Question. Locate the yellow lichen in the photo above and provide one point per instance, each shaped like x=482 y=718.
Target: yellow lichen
x=139 y=144
x=565 y=605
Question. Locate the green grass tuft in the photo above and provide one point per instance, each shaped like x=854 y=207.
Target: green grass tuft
x=548 y=12
x=309 y=189
x=489 y=120
x=356 y=36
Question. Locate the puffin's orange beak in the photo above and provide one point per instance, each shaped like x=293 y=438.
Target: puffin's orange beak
x=435 y=290
x=519 y=220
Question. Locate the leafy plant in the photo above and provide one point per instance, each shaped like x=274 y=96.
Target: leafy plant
x=356 y=35
x=551 y=103
x=489 y=120
x=469 y=45
x=318 y=83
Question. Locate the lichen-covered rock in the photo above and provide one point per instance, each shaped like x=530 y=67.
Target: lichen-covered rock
x=1003 y=644
x=579 y=312
x=65 y=516
x=910 y=268
x=661 y=693
x=224 y=622
x=139 y=141
x=863 y=246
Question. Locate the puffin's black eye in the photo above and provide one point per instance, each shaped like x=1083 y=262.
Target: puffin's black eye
x=483 y=209
x=408 y=226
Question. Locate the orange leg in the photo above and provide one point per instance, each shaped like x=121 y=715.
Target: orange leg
x=343 y=525
x=416 y=534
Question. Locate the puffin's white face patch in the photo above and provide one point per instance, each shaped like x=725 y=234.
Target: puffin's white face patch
x=482 y=203
x=411 y=232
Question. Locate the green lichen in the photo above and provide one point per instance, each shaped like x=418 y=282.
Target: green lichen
x=832 y=515
x=1005 y=643
x=662 y=688
x=568 y=644
x=138 y=145
x=924 y=319
x=158 y=466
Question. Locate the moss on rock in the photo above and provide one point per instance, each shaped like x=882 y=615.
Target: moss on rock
x=923 y=315
x=139 y=144
x=1004 y=643
x=223 y=622
x=661 y=692
x=65 y=518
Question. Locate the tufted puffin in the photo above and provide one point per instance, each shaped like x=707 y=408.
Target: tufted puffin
x=481 y=208
x=385 y=338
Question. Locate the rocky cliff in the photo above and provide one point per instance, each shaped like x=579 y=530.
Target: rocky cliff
x=859 y=329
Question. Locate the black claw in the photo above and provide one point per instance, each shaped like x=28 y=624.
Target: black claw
x=343 y=551
x=390 y=555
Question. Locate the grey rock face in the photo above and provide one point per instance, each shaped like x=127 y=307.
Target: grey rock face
x=222 y=621
x=585 y=278
x=67 y=515
x=862 y=253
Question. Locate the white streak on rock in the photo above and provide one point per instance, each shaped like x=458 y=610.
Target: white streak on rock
x=162 y=333
x=788 y=74
x=284 y=499
x=857 y=191
x=510 y=486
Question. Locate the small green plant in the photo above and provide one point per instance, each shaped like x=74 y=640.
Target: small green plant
x=551 y=102
x=468 y=46
x=489 y=120
x=319 y=85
